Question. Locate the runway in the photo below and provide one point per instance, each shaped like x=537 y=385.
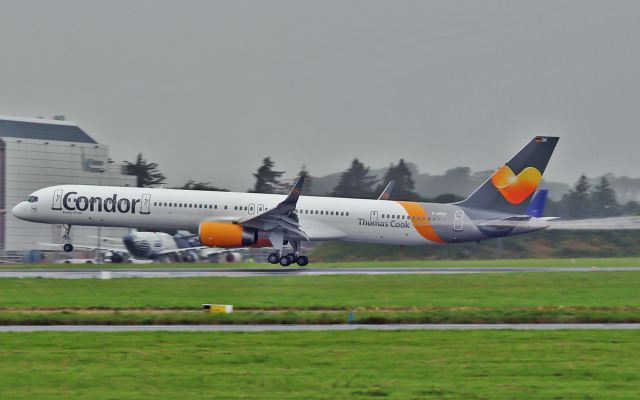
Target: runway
x=300 y=328
x=84 y=273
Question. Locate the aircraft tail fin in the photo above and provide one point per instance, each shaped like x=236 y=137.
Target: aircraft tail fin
x=536 y=207
x=509 y=188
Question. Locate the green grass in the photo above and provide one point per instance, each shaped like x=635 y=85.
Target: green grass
x=407 y=263
x=321 y=365
x=389 y=316
x=592 y=289
x=510 y=297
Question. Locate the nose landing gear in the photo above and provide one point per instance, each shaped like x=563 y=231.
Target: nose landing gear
x=67 y=238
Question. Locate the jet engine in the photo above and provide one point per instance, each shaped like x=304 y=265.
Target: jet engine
x=219 y=234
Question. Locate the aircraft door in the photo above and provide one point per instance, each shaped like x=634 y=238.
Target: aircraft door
x=458 y=221
x=145 y=204
x=252 y=208
x=373 y=216
x=57 y=200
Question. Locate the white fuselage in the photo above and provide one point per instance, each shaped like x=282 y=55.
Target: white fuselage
x=321 y=218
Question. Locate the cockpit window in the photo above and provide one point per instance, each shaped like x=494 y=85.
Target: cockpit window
x=32 y=199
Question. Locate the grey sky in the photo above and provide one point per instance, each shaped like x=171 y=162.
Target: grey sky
x=207 y=89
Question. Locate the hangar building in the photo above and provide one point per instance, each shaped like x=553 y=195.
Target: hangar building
x=35 y=153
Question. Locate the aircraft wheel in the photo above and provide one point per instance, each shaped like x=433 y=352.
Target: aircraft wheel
x=273 y=258
x=67 y=247
x=292 y=258
x=284 y=261
x=302 y=261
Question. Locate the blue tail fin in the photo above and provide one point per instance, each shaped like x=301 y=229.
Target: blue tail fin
x=536 y=207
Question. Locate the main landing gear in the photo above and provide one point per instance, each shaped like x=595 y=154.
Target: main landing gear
x=67 y=238
x=288 y=259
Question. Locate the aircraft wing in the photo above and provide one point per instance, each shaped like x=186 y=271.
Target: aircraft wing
x=173 y=251
x=506 y=222
x=106 y=239
x=281 y=218
x=91 y=248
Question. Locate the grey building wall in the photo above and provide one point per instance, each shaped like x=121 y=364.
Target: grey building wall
x=28 y=164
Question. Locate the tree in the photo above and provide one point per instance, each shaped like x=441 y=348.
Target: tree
x=404 y=184
x=147 y=174
x=355 y=182
x=578 y=201
x=447 y=198
x=631 y=208
x=193 y=185
x=306 y=186
x=266 y=177
x=603 y=199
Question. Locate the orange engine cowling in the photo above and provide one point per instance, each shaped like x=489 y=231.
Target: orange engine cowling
x=219 y=234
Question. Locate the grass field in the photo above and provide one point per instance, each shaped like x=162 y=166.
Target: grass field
x=321 y=365
x=408 y=263
x=510 y=297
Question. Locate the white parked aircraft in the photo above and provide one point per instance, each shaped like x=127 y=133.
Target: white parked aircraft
x=229 y=220
x=159 y=246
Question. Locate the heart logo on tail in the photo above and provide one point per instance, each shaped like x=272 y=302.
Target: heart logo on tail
x=516 y=188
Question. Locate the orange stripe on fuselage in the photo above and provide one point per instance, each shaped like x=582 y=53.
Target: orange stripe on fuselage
x=420 y=220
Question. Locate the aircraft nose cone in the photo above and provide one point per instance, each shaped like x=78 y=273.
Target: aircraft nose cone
x=20 y=210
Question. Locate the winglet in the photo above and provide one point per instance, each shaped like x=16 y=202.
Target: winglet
x=386 y=193
x=294 y=194
x=536 y=207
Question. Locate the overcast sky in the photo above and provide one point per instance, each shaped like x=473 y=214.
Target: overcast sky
x=207 y=89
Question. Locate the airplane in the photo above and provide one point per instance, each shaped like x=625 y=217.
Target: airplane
x=157 y=246
x=229 y=219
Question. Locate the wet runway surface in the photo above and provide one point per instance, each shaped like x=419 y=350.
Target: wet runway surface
x=80 y=273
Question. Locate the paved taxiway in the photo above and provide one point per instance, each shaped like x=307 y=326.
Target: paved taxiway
x=271 y=328
x=71 y=273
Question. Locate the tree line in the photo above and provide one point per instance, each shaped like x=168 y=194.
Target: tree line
x=582 y=201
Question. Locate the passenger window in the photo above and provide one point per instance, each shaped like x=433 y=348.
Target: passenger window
x=347 y=213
